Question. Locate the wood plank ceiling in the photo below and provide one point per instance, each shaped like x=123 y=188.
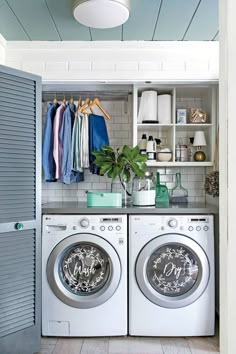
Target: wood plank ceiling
x=150 y=20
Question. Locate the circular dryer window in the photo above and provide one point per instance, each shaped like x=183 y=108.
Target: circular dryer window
x=173 y=269
x=84 y=270
x=172 y=274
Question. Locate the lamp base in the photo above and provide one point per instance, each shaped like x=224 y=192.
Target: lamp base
x=199 y=156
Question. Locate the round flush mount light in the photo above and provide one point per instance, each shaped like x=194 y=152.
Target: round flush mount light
x=101 y=13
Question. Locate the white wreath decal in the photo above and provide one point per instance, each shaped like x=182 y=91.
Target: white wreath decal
x=170 y=268
x=81 y=267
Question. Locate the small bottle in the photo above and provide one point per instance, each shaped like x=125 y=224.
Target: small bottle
x=143 y=145
x=158 y=146
x=177 y=152
x=151 y=148
x=183 y=153
x=191 y=150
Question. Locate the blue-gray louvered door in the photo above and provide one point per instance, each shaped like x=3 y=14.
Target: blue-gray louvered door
x=20 y=212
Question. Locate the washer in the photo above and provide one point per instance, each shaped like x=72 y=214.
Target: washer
x=84 y=275
x=171 y=280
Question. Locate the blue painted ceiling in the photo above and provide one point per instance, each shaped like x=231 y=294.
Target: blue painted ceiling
x=150 y=20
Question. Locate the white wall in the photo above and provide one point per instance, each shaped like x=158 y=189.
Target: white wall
x=228 y=174
x=116 y=61
x=3 y=44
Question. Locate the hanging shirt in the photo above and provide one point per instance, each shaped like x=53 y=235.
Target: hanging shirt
x=67 y=175
x=84 y=143
x=75 y=148
x=57 y=144
x=98 y=137
x=48 y=160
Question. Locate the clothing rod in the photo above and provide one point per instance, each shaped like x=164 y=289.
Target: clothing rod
x=101 y=95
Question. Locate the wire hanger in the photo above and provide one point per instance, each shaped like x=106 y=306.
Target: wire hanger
x=98 y=104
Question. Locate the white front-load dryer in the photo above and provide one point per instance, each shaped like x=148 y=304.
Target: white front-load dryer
x=84 y=275
x=171 y=280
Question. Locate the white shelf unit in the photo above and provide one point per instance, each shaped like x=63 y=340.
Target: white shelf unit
x=183 y=96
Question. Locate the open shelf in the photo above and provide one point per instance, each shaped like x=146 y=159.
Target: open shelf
x=184 y=96
x=179 y=164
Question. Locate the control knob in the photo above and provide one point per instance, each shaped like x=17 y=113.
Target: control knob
x=172 y=223
x=84 y=223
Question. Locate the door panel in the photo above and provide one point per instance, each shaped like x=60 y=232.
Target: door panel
x=20 y=212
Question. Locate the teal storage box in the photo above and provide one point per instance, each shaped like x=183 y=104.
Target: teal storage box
x=104 y=199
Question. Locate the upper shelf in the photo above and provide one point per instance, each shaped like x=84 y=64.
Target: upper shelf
x=179 y=164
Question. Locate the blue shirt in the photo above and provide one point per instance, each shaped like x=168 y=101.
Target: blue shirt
x=67 y=175
x=98 y=137
x=49 y=166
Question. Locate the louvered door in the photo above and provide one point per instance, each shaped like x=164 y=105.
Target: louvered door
x=20 y=212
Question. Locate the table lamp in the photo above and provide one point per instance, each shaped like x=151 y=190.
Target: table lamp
x=199 y=141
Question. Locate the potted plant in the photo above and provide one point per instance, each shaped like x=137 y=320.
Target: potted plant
x=121 y=165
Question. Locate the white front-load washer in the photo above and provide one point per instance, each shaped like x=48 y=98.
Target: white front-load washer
x=84 y=275
x=171 y=280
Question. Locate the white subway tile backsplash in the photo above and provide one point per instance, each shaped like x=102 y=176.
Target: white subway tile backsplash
x=120 y=130
x=99 y=186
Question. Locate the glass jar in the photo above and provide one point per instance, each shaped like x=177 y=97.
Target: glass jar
x=143 y=190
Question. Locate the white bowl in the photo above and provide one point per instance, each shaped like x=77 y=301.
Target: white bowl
x=164 y=156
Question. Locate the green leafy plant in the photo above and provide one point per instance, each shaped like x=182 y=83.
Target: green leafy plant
x=122 y=162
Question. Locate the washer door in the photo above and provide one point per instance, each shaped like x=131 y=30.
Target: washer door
x=172 y=271
x=84 y=270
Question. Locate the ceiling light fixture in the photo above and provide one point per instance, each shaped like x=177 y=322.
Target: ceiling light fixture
x=101 y=13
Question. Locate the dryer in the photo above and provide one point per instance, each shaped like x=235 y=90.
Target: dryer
x=84 y=275
x=171 y=280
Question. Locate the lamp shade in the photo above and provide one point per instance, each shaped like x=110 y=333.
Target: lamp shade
x=199 y=139
x=101 y=13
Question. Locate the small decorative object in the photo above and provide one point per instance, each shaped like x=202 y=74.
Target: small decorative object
x=181 y=116
x=197 y=115
x=121 y=165
x=212 y=179
x=199 y=141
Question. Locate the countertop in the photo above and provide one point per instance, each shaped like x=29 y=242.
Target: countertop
x=81 y=208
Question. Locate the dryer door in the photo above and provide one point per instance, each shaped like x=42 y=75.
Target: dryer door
x=84 y=270
x=172 y=270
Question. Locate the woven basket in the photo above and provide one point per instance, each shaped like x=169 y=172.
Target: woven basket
x=212 y=179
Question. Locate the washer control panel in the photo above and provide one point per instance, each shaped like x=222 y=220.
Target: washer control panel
x=98 y=224
x=111 y=224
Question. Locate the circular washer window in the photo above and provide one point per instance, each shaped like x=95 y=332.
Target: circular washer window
x=84 y=270
x=172 y=270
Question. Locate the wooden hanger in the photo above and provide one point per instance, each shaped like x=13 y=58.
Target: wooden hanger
x=79 y=102
x=98 y=104
x=83 y=106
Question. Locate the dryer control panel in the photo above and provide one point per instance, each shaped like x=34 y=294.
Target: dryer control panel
x=161 y=224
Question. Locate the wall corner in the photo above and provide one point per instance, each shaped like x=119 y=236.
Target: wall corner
x=3 y=47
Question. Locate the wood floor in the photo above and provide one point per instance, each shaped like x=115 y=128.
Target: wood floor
x=130 y=345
